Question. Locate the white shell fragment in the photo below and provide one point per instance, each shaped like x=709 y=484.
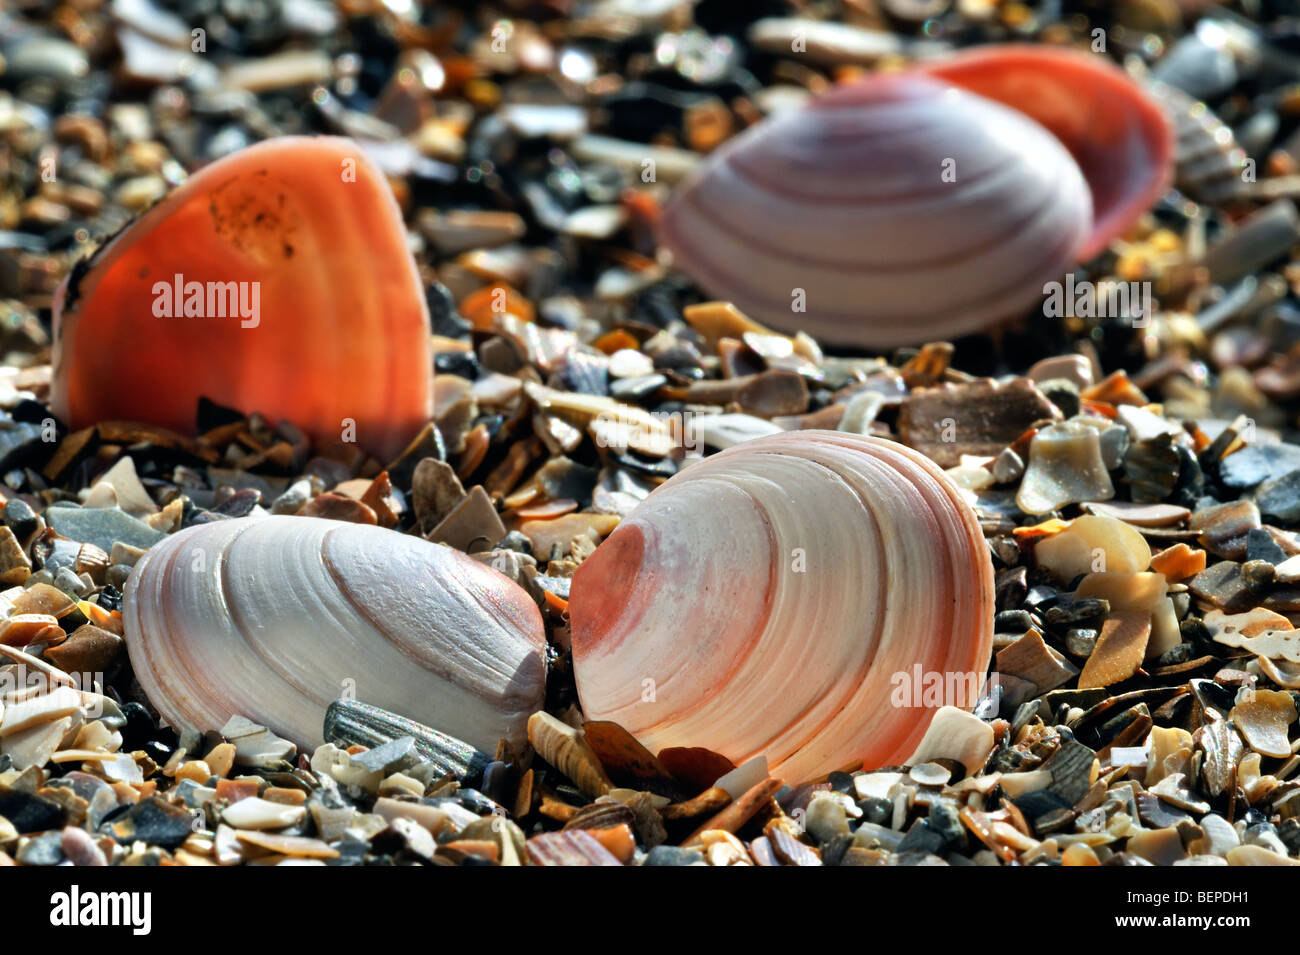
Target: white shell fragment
x=889 y=211
x=770 y=600
x=274 y=617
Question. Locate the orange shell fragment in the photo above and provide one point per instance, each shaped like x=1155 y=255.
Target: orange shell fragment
x=276 y=280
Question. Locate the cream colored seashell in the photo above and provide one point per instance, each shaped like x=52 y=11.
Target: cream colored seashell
x=890 y=211
x=273 y=618
x=771 y=599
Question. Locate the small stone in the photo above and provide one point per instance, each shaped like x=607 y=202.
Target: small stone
x=1008 y=467
x=293 y=499
x=1080 y=641
x=1222 y=585
x=255 y=745
x=546 y=534
x=155 y=822
x=101 y=526
x=1225 y=528
x=826 y=817
x=15 y=565
x=89 y=649
x=1063 y=393
x=22 y=520
x=258 y=813
x=1260 y=545
x=80 y=848
x=673 y=855
x=129 y=494
x=472 y=524
x=1279 y=497
x=1152 y=468
x=45 y=849
x=1257 y=463
x=435 y=492
x=337 y=507
x=1093 y=544
x=1218 y=839
x=1031 y=660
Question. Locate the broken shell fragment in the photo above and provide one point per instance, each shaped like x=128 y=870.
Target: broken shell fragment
x=769 y=600
x=1065 y=467
x=1093 y=544
x=205 y=296
x=353 y=723
x=275 y=617
x=909 y=210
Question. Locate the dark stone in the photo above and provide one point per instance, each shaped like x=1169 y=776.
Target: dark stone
x=461 y=363
x=21 y=519
x=239 y=504
x=1261 y=546
x=1013 y=621
x=673 y=855
x=1063 y=393
x=1152 y=468
x=1280 y=497
x=29 y=812
x=841 y=783
x=1068 y=610
x=212 y=415
x=833 y=851
x=876 y=810
x=140 y=727
x=921 y=838
x=1258 y=574
x=1070 y=766
x=154 y=822
x=1257 y=463
x=1010 y=587
x=446 y=321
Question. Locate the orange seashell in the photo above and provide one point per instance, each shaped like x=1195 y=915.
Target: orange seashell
x=325 y=323
x=1119 y=136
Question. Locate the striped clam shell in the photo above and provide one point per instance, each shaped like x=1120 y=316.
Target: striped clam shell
x=274 y=617
x=768 y=599
x=844 y=208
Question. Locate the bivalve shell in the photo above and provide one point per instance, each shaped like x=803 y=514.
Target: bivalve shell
x=274 y=617
x=891 y=210
x=786 y=597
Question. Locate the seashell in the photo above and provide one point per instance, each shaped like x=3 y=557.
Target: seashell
x=564 y=747
x=836 y=219
x=1119 y=136
x=310 y=234
x=765 y=601
x=275 y=617
x=1209 y=162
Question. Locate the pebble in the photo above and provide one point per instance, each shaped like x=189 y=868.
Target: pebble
x=1279 y=497
x=102 y=527
x=1257 y=463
